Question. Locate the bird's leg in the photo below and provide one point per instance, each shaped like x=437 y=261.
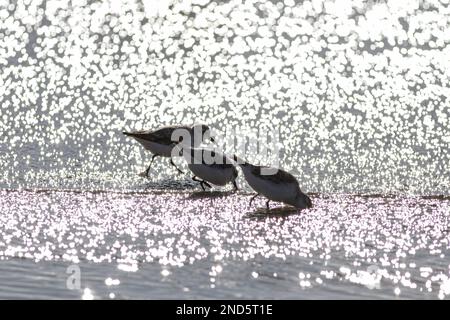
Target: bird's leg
x=253 y=198
x=149 y=166
x=207 y=184
x=202 y=183
x=235 y=185
x=267 y=204
x=173 y=164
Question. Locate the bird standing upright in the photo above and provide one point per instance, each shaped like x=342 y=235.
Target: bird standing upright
x=162 y=141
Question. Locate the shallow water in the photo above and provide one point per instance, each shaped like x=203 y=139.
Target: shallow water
x=193 y=244
x=357 y=91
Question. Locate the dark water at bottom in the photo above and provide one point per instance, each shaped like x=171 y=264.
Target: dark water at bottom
x=166 y=244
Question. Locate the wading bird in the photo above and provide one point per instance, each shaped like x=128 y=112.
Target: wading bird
x=211 y=167
x=162 y=141
x=275 y=184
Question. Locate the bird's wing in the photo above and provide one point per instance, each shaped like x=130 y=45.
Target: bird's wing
x=210 y=158
x=280 y=176
x=162 y=135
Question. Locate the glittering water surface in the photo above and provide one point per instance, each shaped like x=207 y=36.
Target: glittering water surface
x=358 y=91
x=198 y=245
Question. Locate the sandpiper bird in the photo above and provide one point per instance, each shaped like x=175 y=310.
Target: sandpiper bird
x=280 y=186
x=211 y=167
x=160 y=143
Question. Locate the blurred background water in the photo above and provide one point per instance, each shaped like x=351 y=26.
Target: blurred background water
x=358 y=91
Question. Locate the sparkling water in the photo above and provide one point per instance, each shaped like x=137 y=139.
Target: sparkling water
x=356 y=90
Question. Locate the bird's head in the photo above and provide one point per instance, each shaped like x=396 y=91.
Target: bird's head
x=302 y=201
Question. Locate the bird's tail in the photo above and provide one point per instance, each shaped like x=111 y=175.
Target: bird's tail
x=130 y=134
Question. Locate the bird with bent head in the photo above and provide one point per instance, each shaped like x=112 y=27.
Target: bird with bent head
x=211 y=167
x=275 y=184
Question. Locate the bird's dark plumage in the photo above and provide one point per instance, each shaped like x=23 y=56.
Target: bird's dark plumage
x=161 y=135
x=209 y=158
x=280 y=176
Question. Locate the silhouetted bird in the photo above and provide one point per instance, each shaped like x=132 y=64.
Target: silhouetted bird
x=211 y=167
x=162 y=141
x=280 y=186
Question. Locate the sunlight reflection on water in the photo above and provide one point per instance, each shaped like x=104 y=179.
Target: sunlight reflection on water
x=358 y=91
x=368 y=245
